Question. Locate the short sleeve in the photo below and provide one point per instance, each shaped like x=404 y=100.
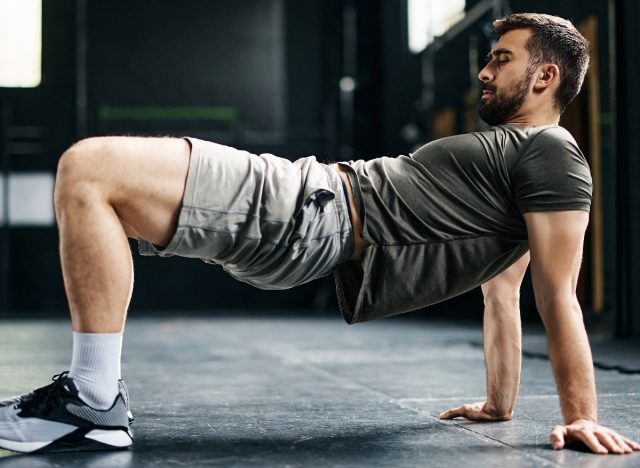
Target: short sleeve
x=552 y=174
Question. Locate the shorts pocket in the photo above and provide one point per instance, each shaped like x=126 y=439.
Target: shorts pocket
x=310 y=213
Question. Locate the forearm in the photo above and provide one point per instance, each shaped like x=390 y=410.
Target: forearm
x=571 y=360
x=503 y=357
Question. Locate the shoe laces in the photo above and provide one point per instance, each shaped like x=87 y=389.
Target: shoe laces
x=43 y=400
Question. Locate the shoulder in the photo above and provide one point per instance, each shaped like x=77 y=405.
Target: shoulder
x=551 y=146
x=452 y=145
x=551 y=173
x=445 y=142
x=552 y=137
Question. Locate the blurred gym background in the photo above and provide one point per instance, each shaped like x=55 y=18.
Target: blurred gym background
x=339 y=79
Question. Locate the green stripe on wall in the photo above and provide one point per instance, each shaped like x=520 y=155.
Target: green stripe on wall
x=225 y=113
x=606 y=118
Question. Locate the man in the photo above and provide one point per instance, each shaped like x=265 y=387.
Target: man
x=398 y=233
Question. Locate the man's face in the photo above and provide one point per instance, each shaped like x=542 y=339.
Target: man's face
x=506 y=78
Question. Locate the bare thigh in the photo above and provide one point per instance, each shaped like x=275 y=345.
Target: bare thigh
x=142 y=178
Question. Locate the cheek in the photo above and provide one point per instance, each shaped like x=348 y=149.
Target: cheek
x=515 y=85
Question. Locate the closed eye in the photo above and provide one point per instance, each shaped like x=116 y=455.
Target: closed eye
x=501 y=55
x=502 y=61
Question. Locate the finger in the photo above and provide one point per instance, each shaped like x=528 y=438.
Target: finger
x=452 y=413
x=634 y=445
x=557 y=437
x=590 y=440
x=626 y=448
x=608 y=442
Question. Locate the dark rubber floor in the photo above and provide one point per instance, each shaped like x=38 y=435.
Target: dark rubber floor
x=316 y=392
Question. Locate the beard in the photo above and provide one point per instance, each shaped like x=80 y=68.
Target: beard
x=499 y=109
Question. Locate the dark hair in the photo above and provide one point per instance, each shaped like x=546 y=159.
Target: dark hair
x=553 y=40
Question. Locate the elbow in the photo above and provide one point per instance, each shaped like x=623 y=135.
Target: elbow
x=503 y=304
x=502 y=299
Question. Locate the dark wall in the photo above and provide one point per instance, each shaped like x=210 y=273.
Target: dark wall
x=628 y=169
x=400 y=90
x=33 y=280
x=52 y=104
x=189 y=54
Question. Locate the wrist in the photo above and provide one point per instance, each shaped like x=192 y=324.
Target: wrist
x=569 y=421
x=502 y=413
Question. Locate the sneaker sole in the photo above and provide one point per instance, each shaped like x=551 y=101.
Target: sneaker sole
x=80 y=440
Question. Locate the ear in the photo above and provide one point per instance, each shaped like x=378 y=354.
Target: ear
x=547 y=75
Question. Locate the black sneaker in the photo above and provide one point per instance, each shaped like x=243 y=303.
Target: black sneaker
x=55 y=419
x=122 y=389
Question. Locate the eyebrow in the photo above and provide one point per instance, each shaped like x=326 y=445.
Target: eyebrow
x=497 y=52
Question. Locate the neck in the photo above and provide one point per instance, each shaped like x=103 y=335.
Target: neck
x=540 y=122
x=535 y=116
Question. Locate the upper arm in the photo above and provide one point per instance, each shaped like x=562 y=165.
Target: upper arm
x=556 y=239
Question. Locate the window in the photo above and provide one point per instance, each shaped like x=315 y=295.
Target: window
x=30 y=197
x=429 y=19
x=20 y=43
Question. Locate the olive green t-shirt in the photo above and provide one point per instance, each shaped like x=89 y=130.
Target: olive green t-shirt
x=448 y=217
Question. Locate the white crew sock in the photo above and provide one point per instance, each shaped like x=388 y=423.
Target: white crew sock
x=95 y=367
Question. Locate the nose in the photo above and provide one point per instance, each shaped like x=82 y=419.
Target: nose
x=485 y=74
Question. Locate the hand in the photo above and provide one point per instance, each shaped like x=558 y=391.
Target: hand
x=476 y=412
x=598 y=438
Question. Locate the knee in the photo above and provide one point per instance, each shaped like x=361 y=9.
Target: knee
x=78 y=171
x=76 y=160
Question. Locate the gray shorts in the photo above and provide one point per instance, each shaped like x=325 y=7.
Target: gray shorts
x=267 y=221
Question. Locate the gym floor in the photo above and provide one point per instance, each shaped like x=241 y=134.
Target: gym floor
x=285 y=391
